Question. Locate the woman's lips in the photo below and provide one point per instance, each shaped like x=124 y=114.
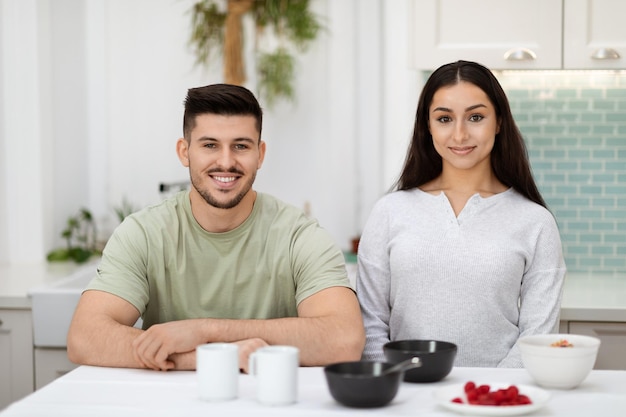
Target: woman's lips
x=462 y=150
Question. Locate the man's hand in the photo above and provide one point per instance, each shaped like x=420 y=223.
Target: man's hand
x=246 y=347
x=154 y=347
x=172 y=345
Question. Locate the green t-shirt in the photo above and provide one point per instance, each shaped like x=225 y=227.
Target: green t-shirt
x=161 y=261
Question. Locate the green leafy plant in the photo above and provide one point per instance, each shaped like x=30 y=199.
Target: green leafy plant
x=80 y=236
x=124 y=210
x=274 y=69
x=216 y=26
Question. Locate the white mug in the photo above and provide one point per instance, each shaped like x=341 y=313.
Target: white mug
x=276 y=371
x=217 y=369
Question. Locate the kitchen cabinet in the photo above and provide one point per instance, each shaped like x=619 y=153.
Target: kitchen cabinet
x=51 y=363
x=594 y=34
x=516 y=34
x=16 y=355
x=612 y=342
x=17 y=282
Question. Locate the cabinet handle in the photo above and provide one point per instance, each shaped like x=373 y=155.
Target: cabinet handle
x=605 y=54
x=0 y=323
x=520 y=54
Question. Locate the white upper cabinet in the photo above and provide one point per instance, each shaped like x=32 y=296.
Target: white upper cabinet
x=519 y=34
x=499 y=34
x=594 y=34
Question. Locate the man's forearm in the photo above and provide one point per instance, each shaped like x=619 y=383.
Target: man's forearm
x=103 y=343
x=321 y=340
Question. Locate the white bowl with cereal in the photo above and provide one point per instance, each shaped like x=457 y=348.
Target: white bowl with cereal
x=559 y=360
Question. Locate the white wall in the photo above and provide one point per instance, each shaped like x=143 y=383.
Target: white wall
x=22 y=161
x=111 y=76
x=4 y=226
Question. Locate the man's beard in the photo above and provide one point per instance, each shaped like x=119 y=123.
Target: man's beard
x=212 y=201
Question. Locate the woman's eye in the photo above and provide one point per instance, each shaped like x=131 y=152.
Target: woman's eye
x=444 y=119
x=476 y=118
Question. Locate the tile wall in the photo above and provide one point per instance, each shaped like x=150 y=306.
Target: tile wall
x=574 y=124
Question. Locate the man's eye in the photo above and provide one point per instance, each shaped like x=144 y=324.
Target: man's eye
x=209 y=145
x=240 y=147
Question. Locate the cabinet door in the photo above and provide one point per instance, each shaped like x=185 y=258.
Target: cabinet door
x=51 y=363
x=500 y=34
x=594 y=31
x=16 y=355
x=612 y=341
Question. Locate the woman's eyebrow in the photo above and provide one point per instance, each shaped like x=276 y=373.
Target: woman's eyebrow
x=475 y=106
x=470 y=108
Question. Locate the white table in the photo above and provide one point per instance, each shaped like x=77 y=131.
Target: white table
x=90 y=391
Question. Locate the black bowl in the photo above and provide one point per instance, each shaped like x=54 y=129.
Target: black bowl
x=354 y=384
x=437 y=358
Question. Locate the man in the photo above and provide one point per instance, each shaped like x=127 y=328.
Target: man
x=217 y=263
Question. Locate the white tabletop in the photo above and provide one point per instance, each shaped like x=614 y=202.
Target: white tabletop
x=91 y=391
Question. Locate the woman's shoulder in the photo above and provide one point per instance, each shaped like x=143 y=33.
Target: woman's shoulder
x=402 y=201
x=518 y=202
x=406 y=196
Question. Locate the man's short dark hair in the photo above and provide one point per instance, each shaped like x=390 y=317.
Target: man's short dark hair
x=221 y=99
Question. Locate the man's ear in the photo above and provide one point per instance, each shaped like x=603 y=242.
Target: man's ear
x=261 y=154
x=182 y=150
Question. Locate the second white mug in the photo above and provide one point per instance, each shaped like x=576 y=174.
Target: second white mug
x=276 y=371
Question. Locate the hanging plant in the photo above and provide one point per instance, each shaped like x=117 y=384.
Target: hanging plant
x=216 y=27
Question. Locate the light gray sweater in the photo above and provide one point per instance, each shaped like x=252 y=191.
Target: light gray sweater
x=480 y=280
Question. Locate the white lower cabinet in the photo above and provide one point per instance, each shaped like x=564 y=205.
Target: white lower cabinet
x=51 y=363
x=612 y=354
x=16 y=355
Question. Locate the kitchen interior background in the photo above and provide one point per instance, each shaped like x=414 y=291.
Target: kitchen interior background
x=574 y=124
x=91 y=107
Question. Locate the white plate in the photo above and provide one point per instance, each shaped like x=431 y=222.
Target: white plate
x=445 y=395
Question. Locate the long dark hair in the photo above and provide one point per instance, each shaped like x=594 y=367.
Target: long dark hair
x=509 y=157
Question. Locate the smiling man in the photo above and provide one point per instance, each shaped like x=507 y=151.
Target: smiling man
x=218 y=263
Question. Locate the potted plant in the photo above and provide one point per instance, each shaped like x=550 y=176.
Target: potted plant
x=80 y=236
x=217 y=26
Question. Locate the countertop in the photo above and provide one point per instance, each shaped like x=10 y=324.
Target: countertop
x=594 y=297
x=16 y=280
x=586 y=297
x=94 y=391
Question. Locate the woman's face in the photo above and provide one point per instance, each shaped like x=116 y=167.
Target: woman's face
x=463 y=123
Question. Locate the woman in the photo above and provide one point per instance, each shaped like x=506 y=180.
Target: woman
x=465 y=249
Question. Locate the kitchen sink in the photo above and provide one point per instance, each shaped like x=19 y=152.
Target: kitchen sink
x=53 y=306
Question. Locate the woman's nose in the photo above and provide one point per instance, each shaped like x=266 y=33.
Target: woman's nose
x=460 y=132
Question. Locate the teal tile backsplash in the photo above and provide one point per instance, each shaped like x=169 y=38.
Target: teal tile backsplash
x=574 y=124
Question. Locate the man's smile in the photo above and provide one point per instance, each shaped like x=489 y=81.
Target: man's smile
x=223 y=179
